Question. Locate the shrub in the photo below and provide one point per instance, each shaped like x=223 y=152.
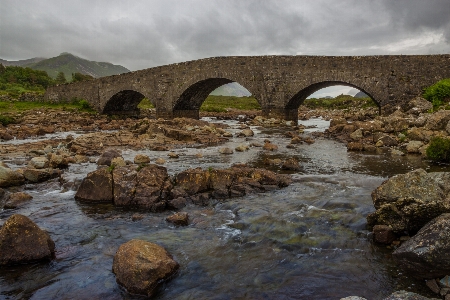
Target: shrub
x=5 y=120
x=84 y=104
x=438 y=93
x=439 y=149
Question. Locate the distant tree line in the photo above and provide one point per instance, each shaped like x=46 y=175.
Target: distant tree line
x=15 y=80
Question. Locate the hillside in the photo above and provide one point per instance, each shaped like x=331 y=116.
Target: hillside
x=231 y=89
x=69 y=63
x=21 y=63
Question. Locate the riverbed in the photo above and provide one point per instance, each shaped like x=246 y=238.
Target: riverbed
x=306 y=241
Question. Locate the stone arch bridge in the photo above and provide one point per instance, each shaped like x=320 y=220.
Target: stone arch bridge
x=279 y=83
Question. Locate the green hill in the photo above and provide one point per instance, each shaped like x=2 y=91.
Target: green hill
x=69 y=63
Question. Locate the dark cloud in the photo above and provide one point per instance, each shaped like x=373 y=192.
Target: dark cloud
x=141 y=34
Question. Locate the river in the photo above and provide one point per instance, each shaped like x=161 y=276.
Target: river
x=306 y=241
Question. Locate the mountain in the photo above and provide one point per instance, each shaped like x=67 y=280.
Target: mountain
x=361 y=95
x=68 y=64
x=231 y=89
x=21 y=63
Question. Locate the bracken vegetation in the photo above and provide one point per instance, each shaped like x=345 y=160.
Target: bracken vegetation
x=439 y=149
x=438 y=94
x=13 y=107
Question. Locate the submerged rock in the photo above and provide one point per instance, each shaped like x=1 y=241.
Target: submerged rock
x=291 y=164
x=270 y=147
x=17 y=199
x=425 y=255
x=140 y=267
x=22 y=241
x=179 y=219
x=226 y=150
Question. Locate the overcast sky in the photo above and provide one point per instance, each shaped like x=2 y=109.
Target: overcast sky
x=140 y=34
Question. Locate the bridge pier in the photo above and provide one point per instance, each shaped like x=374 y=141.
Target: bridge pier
x=288 y=114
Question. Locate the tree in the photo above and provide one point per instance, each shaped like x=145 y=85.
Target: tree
x=60 y=78
x=81 y=77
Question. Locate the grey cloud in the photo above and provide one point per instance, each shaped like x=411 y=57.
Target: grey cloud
x=140 y=34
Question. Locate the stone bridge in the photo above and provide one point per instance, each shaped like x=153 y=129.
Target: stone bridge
x=279 y=83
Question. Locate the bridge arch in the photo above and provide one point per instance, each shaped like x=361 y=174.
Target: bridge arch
x=123 y=102
x=191 y=99
x=305 y=92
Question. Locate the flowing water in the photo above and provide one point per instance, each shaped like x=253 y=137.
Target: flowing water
x=306 y=241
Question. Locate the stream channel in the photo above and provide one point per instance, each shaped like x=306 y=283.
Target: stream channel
x=306 y=241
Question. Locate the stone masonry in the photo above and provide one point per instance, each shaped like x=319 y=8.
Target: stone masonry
x=279 y=83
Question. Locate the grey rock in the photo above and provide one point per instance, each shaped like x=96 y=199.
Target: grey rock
x=9 y=177
x=414 y=146
x=406 y=202
x=107 y=156
x=425 y=255
x=404 y=295
x=39 y=162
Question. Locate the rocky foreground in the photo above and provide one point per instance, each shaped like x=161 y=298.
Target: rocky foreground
x=412 y=211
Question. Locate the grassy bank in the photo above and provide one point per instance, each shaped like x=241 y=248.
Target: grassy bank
x=217 y=103
x=10 y=110
x=339 y=102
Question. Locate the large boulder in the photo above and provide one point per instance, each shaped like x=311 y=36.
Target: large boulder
x=96 y=187
x=193 y=181
x=425 y=255
x=141 y=266
x=406 y=202
x=438 y=120
x=418 y=105
x=147 y=187
x=22 y=241
x=9 y=177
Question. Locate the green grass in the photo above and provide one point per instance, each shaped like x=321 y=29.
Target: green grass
x=222 y=103
x=20 y=106
x=145 y=104
x=5 y=120
x=339 y=102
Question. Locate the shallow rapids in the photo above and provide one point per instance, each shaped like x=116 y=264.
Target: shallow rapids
x=306 y=241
